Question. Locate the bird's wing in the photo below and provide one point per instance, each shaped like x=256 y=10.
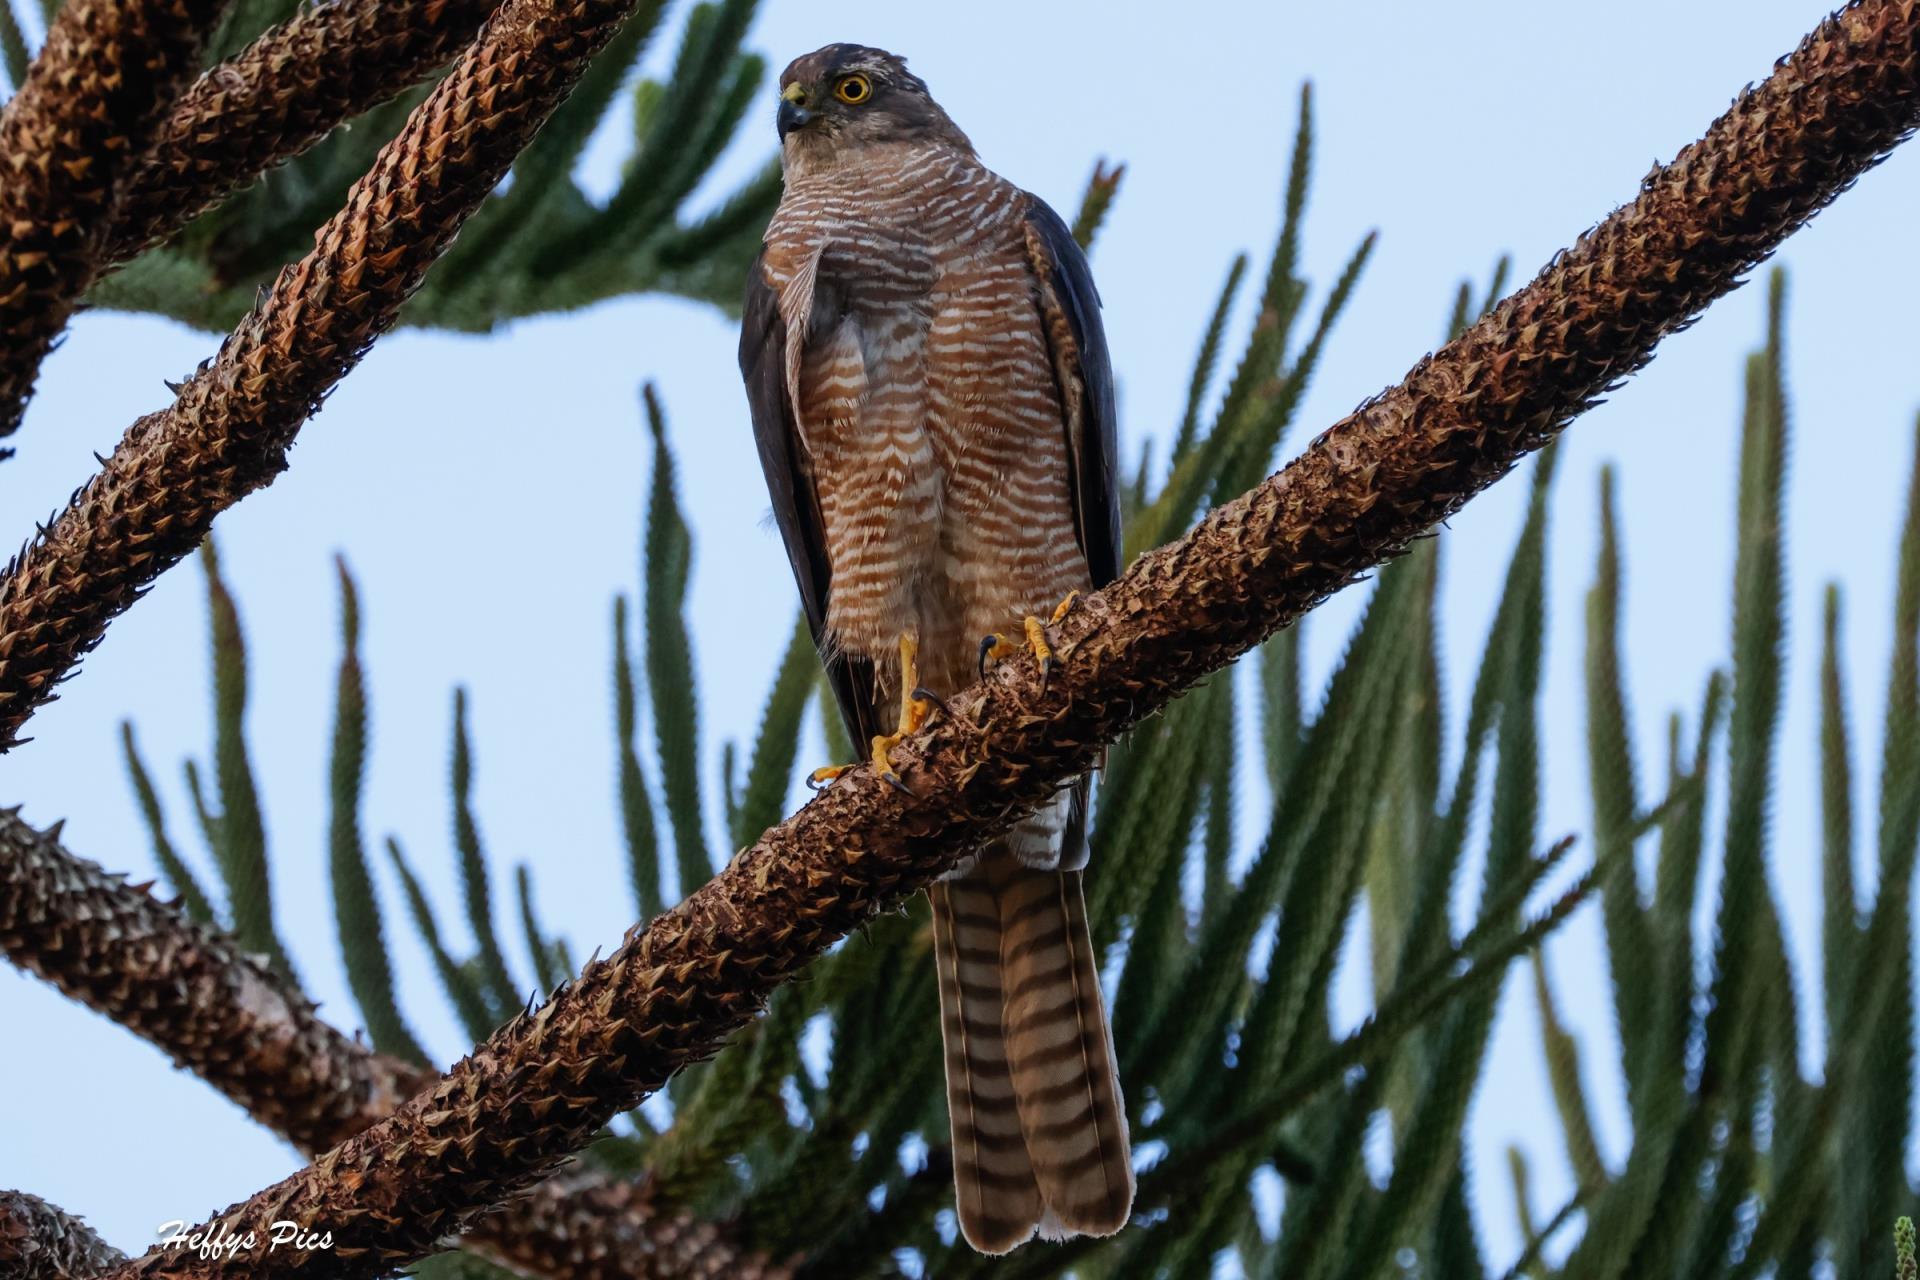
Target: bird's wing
x=1070 y=307
x=796 y=503
x=1070 y=315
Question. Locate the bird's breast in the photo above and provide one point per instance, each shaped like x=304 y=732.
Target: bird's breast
x=885 y=232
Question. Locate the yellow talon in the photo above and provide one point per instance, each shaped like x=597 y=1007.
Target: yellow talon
x=995 y=647
x=916 y=704
x=1042 y=651
x=882 y=744
x=826 y=777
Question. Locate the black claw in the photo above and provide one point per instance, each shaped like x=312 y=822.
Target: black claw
x=893 y=780
x=986 y=647
x=820 y=784
x=1046 y=673
x=923 y=694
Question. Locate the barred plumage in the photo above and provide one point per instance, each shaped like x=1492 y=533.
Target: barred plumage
x=933 y=410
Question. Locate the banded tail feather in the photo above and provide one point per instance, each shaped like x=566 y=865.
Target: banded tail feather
x=1039 y=1128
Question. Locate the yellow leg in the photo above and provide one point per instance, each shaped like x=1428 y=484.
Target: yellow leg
x=916 y=704
x=995 y=647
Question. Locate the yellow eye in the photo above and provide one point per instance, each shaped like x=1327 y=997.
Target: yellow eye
x=853 y=89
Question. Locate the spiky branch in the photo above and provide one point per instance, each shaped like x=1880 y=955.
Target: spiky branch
x=41 y=1242
x=277 y=97
x=296 y=83
x=189 y=990
x=228 y=431
x=69 y=136
x=1378 y=479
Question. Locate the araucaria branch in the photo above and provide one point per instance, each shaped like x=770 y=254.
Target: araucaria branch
x=189 y=990
x=69 y=137
x=276 y=98
x=1381 y=477
x=228 y=431
x=41 y=1242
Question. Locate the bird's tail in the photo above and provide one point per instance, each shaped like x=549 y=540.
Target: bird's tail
x=1039 y=1129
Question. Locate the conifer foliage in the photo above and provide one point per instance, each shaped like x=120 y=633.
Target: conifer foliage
x=812 y=1145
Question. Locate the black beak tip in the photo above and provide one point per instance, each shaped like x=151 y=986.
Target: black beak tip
x=792 y=116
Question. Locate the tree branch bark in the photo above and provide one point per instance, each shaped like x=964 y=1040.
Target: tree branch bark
x=191 y=992
x=229 y=430
x=276 y=98
x=1384 y=475
x=109 y=68
x=41 y=1242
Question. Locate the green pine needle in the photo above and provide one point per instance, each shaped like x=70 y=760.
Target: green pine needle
x=636 y=802
x=240 y=850
x=1208 y=360
x=1221 y=794
x=496 y=982
x=476 y=1018
x=1425 y=929
x=1242 y=410
x=192 y=899
x=1321 y=888
x=363 y=944
x=13 y=46
x=687 y=125
x=1630 y=951
x=1759 y=578
x=1159 y=945
x=1146 y=808
x=1425 y=1159
x=1095 y=202
x=1840 y=924
x=669 y=656
x=1280 y=700
x=208 y=820
x=1521 y=1180
x=548 y=162
x=833 y=726
x=1462 y=314
x=1252 y=453
x=1497 y=286
x=1203 y=993
x=1562 y=1053
x=544 y=954
x=1281 y=280
x=763 y=800
x=1900 y=763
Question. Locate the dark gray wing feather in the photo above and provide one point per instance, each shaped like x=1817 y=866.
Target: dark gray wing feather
x=1093 y=478
x=796 y=505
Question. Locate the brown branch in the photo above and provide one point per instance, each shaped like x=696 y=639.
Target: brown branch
x=191 y=992
x=228 y=432
x=544 y=1083
x=277 y=97
x=40 y=1242
x=581 y=1226
x=68 y=138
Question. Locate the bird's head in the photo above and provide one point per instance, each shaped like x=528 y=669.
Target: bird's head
x=844 y=97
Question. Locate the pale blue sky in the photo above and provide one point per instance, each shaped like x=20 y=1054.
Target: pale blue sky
x=487 y=492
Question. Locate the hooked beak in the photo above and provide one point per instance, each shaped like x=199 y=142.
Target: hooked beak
x=793 y=111
x=792 y=116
